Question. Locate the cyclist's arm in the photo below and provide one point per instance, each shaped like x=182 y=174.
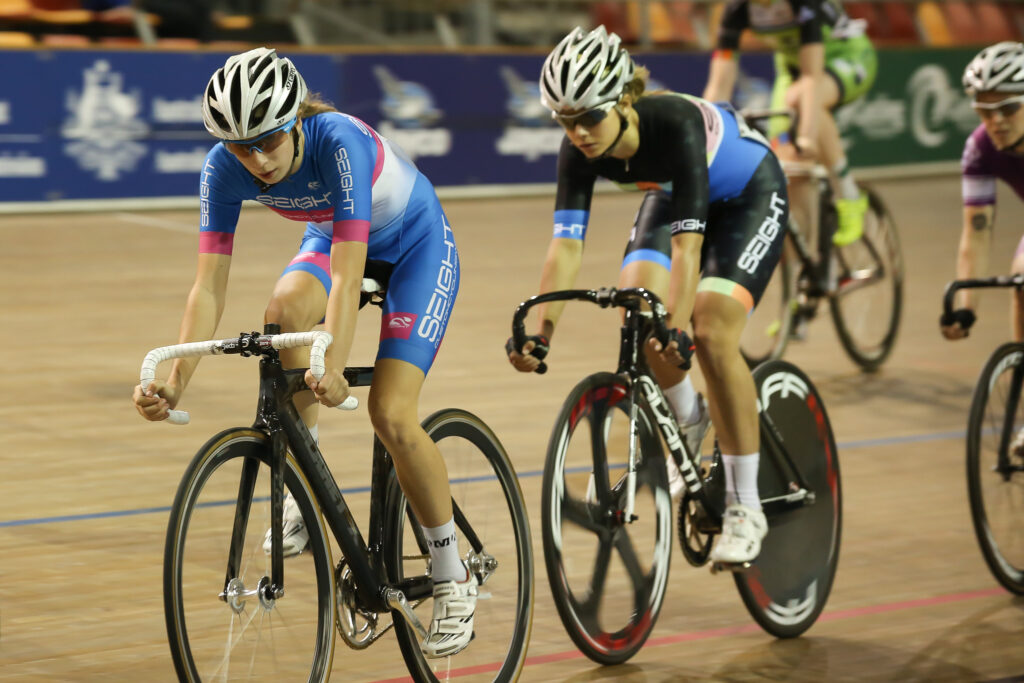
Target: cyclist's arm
x=572 y=214
x=972 y=255
x=560 y=269
x=722 y=76
x=812 y=78
x=682 y=289
x=203 y=311
x=348 y=260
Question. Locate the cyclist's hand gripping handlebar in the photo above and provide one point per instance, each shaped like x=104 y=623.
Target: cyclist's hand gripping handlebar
x=540 y=349
x=318 y=341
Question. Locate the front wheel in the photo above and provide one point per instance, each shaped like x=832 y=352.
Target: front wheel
x=222 y=624
x=995 y=465
x=788 y=584
x=868 y=299
x=494 y=541
x=607 y=573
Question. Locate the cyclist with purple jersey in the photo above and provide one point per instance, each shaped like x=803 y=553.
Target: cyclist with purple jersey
x=361 y=199
x=994 y=80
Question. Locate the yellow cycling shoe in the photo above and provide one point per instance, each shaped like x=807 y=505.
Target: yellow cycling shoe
x=851 y=220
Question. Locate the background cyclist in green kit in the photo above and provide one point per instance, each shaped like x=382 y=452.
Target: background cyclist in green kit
x=823 y=60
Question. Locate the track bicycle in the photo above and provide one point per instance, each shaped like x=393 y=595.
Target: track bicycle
x=995 y=464
x=863 y=281
x=607 y=512
x=234 y=612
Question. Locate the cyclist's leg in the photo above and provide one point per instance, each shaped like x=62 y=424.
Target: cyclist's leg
x=298 y=303
x=734 y=278
x=646 y=263
x=1017 y=303
x=421 y=291
x=850 y=67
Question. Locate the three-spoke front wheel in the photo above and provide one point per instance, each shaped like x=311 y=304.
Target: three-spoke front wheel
x=223 y=623
x=608 y=574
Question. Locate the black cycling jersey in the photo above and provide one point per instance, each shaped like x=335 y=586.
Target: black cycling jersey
x=689 y=147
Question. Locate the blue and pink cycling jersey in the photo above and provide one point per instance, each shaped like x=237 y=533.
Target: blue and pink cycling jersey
x=353 y=185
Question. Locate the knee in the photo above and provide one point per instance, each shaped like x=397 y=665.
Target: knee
x=715 y=342
x=393 y=421
x=287 y=311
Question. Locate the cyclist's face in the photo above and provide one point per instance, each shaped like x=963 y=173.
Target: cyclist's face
x=270 y=161
x=587 y=135
x=1004 y=124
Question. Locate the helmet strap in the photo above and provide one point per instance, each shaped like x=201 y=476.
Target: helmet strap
x=623 y=126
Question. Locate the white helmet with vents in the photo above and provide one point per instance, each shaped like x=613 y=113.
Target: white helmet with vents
x=997 y=68
x=585 y=70
x=252 y=94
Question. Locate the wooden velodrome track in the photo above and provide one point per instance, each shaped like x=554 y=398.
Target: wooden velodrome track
x=87 y=483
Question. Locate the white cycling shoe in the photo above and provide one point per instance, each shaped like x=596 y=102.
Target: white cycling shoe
x=295 y=536
x=451 y=627
x=743 y=529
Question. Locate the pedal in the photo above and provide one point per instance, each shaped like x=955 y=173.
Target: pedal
x=734 y=567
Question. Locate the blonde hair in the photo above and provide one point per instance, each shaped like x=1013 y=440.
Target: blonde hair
x=636 y=87
x=314 y=104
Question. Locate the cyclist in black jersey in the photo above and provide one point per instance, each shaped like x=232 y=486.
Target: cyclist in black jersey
x=707 y=236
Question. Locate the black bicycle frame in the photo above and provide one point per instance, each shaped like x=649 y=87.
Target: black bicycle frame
x=636 y=327
x=277 y=416
x=1013 y=400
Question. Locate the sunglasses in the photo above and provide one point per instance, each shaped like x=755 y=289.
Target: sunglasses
x=587 y=119
x=264 y=144
x=1006 y=107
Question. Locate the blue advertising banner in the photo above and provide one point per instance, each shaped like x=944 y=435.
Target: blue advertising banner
x=116 y=124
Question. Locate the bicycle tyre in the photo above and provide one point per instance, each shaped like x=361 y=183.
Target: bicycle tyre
x=505 y=608
x=787 y=586
x=199 y=532
x=880 y=245
x=997 y=500
x=767 y=331
x=593 y=402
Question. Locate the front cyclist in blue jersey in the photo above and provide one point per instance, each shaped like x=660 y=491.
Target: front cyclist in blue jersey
x=361 y=198
x=707 y=236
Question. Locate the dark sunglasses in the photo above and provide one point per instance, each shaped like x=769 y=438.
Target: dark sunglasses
x=587 y=119
x=264 y=144
x=1006 y=107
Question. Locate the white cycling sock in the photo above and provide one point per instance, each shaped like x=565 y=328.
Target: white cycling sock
x=443 y=542
x=847 y=188
x=683 y=398
x=741 y=480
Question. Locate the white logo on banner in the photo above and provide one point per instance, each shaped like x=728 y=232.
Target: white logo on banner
x=408 y=109
x=22 y=166
x=178 y=111
x=5 y=112
x=104 y=124
x=930 y=106
x=530 y=132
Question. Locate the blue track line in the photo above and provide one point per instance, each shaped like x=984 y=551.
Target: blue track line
x=862 y=443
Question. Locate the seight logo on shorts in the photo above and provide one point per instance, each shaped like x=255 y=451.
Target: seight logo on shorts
x=397 y=325
x=751 y=257
x=440 y=305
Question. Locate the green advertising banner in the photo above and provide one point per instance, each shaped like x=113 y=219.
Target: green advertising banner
x=916 y=112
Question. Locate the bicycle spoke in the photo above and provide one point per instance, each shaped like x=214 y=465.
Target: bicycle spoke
x=590 y=605
x=580 y=513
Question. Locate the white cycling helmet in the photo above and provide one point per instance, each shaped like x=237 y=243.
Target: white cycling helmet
x=997 y=68
x=584 y=71
x=251 y=95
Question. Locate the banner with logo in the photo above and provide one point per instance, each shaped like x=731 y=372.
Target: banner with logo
x=916 y=112
x=125 y=124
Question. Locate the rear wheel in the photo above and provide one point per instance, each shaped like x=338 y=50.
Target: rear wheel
x=768 y=328
x=868 y=300
x=995 y=465
x=607 y=574
x=787 y=586
x=222 y=624
x=494 y=541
